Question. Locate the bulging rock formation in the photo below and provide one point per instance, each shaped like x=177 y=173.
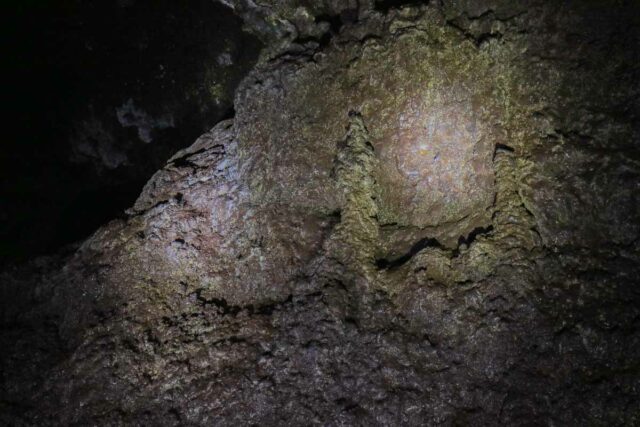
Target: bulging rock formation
x=427 y=215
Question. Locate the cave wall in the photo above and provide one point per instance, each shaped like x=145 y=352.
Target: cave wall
x=427 y=214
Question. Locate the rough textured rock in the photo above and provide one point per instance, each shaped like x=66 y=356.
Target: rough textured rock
x=430 y=218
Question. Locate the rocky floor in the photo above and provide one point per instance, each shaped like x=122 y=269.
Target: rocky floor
x=420 y=214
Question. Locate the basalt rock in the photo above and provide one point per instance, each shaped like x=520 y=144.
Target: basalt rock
x=430 y=219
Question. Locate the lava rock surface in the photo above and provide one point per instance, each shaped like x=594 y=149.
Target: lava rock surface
x=430 y=217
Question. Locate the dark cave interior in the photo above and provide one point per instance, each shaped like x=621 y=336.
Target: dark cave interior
x=69 y=164
x=332 y=212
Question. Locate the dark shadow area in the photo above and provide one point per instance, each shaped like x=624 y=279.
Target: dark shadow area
x=100 y=94
x=427 y=242
x=385 y=6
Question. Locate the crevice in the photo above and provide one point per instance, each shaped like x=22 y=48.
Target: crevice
x=427 y=242
x=322 y=41
x=220 y=303
x=384 y=6
x=336 y=22
x=224 y=308
x=471 y=237
x=485 y=37
x=479 y=39
x=346 y=404
x=132 y=213
x=502 y=148
x=182 y=162
x=268 y=309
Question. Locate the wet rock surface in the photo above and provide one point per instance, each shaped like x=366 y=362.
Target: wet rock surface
x=429 y=218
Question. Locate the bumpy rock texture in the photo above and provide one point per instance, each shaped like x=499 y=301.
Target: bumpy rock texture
x=429 y=216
